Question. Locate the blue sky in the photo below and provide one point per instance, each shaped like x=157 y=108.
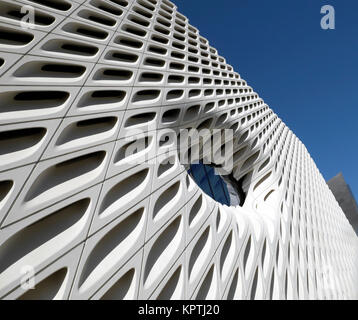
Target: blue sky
x=307 y=75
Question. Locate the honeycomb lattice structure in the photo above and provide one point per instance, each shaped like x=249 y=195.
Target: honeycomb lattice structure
x=82 y=220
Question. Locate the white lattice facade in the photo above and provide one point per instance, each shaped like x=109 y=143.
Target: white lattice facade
x=88 y=222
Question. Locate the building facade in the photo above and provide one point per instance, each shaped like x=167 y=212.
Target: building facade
x=345 y=198
x=95 y=202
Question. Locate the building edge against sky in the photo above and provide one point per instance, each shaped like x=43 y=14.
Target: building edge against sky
x=345 y=198
x=83 y=218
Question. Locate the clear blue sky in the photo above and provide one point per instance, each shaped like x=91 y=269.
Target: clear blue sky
x=307 y=75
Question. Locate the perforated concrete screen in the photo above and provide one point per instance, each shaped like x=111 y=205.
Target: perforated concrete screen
x=83 y=218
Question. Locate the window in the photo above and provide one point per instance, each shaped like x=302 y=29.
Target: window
x=210 y=182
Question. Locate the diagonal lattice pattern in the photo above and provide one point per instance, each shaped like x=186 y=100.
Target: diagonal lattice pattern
x=93 y=223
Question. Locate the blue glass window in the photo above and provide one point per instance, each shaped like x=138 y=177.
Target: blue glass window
x=211 y=183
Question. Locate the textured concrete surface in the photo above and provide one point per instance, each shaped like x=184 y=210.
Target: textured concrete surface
x=82 y=218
